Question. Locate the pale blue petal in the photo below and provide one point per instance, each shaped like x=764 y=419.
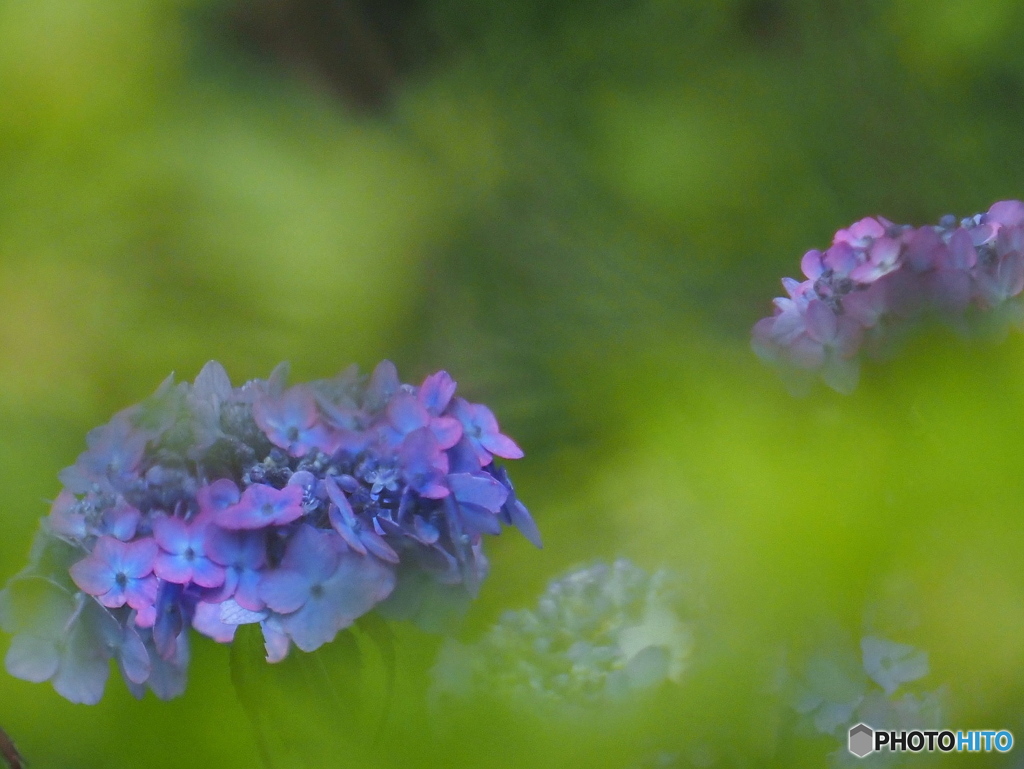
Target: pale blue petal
x=32 y=658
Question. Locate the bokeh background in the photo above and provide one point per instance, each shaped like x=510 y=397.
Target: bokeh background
x=578 y=209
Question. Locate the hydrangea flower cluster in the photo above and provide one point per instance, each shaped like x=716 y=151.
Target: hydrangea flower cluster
x=838 y=690
x=299 y=508
x=598 y=634
x=878 y=276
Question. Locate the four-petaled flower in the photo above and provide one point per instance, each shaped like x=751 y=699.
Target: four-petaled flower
x=481 y=428
x=243 y=556
x=119 y=572
x=319 y=591
x=292 y=421
x=184 y=556
x=406 y=414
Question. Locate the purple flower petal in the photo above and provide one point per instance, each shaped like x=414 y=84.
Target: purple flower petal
x=867 y=307
x=479 y=489
x=925 y=249
x=207 y=574
x=184 y=558
x=207 y=620
x=357 y=585
x=169 y=676
x=278 y=378
x=238 y=549
x=384 y=383
x=314 y=624
x=291 y=421
x=423 y=463
x=805 y=353
x=219 y=495
x=84 y=665
x=478 y=520
x=821 y=322
x=447 y=430
x=1009 y=213
x=962 y=253
x=312 y=553
x=482 y=429
x=522 y=520
x=436 y=392
x=173 y=568
x=93 y=575
x=138 y=557
x=794 y=288
x=243 y=554
x=212 y=382
x=311 y=557
x=378 y=546
x=304 y=480
x=1011 y=274
x=171 y=534
x=861 y=233
x=345 y=530
x=841 y=258
x=247 y=593
x=406 y=413
x=848 y=338
x=122 y=520
x=64 y=520
x=262 y=506
x=31 y=658
x=284 y=590
x=501 y=446
x=133 y=657
x=138 y=593
x=951 y=290
x=811 y=264
x=426 y=532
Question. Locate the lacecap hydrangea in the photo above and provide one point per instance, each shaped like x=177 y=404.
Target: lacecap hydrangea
x=600 y=634
x=878 y=276
x=299 y=507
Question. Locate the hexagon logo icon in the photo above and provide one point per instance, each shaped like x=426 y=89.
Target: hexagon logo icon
x=862 y=740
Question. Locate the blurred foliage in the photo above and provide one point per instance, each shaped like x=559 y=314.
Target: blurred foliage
x=578 y=209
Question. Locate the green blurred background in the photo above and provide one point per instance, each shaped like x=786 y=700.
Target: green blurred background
x=578 y=209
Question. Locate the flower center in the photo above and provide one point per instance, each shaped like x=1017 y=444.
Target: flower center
x=267 y=509
x=190 y=554
x=121 y=579
x=317 y=591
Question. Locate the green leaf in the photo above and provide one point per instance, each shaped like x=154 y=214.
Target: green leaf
x=325 y=708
